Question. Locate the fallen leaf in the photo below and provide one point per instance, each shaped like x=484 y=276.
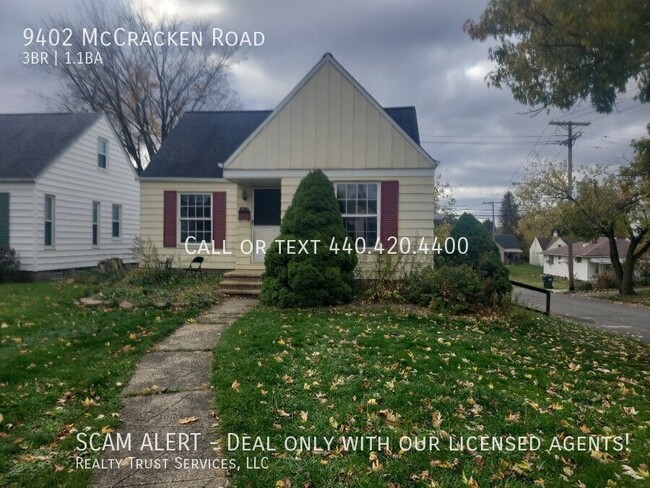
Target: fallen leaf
x=630 y=471
x=89 y=402
x=235 y=386
x=436 y=419
x=187 y=420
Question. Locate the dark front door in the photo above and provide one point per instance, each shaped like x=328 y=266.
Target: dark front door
x=266 y=217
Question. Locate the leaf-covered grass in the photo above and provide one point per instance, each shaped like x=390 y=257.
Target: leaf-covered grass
x=642 y=297
x=532 y=275
x=62 y=367
x=366 y=372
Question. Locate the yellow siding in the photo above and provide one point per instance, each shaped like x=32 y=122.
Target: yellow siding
x=329 y=124
x=151 y=218
x=415 y=206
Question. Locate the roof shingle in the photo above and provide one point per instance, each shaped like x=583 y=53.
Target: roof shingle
x=30 y=142
x=202 y=141
x=600 y=248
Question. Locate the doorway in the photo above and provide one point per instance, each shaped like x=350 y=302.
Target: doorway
x=266 y=217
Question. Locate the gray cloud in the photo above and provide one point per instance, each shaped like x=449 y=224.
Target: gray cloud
x=411 y=52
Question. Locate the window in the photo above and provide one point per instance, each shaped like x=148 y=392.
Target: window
x=49 y=220
x=117 y=220
x=358 y=204
x=4 y=220
x=550 y=259
x=196 y=216
x=578 y=259
x=102 y=152
x=96 y=220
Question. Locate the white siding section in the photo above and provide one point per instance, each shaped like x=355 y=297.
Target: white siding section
x=329 y=124
x=535 y=255
x=21 y=221
x=152 y=210
x=76 y=181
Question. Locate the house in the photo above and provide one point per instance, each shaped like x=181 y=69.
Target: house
x=227 y=178
x=509 y=248
x=541 y=244
x=589 y=259
x=69 y=196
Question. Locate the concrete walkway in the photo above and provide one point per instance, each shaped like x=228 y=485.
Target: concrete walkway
x=168 y=414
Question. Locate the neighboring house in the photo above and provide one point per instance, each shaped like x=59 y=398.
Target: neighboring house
x=541 y=244
x=230 y=176
x=69 y=196
x=589 y=259
x=509 y=248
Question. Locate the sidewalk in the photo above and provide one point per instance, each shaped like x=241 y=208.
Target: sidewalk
x=172 y=384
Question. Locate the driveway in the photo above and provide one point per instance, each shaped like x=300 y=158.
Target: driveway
x=614 y=317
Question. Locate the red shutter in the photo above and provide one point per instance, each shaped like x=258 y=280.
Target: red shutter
x=389 y=210
x=169 y=219
x=219 y=218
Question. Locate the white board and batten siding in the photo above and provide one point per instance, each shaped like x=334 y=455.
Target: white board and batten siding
x=76 y=181
x=328 y=123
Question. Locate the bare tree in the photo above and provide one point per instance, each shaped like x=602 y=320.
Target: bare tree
x=143 y=88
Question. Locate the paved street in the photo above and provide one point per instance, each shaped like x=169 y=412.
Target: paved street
x=614 y=317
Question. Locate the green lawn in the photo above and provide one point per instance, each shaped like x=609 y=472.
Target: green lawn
x=642 y=297
x=356 y=373
x=62 y=366
x=532 y=275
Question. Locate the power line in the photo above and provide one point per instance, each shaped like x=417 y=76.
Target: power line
x=569 y=143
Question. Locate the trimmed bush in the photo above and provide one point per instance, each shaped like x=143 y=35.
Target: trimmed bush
x=9 y=264
x=319 y=278
x=455 y=289
x=605 y=281
x=482 y=258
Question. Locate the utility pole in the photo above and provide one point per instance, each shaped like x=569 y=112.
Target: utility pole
x=569 y=142
x=494 y=223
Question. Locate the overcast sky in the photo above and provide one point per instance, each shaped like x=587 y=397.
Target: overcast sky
x=404 y=52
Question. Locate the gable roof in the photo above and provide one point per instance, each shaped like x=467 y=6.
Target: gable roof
x=202 y=141
x=507 y=241
x=597 y=249
x=544 y=242
x=30 y=142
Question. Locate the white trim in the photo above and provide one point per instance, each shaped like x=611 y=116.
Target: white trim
x=98 y=224
x=238 y=174
x=117 y=237
x=144 y=179
x=101 y=140
x=180 y=243
x=52 y=221
x=378 y=184
x=328 y=58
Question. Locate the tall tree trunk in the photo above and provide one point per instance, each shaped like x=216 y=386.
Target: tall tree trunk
x=615 y=259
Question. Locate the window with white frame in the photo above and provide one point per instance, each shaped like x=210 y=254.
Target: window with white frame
x=102 y=153
x=49 y=220
x=195 y=210
x=117 y=221
x=358 y=203
x=96 y=220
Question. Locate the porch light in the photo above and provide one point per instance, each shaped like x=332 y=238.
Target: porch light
x=244 y=195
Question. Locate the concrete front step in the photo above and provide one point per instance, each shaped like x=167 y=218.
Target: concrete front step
x=253 y=293
x=244 y=276
x=242 y=283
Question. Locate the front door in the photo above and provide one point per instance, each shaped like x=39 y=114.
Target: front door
x=266 y=217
